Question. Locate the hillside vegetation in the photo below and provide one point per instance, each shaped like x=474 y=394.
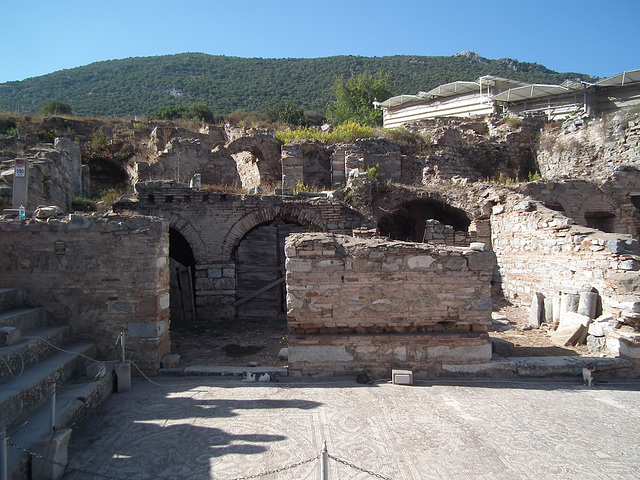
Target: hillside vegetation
x=140 y=86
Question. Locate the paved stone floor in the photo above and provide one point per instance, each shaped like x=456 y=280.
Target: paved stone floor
x=222 y=428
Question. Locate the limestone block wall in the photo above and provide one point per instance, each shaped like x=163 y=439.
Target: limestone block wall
x=477 y=149
x=593 y=149
x=370 y=303
x=539 y=250
x=55 y=175
x=99 y=274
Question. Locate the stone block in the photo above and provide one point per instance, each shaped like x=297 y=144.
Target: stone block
x=318 y=353
x=587 y=304
x=461 y=354
x=123 y=376
x=574 y=318
x=548 y=310
x=170 y=360
x=477 y=246
x=420 y=261
x=536 y=312
x=502 y=347
x=568 y=303
x=50 y=447
x=596 y=345
x=146 y=329
x=570 y=334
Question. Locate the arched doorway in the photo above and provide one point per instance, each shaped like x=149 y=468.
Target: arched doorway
x=260 y=273
x=408 y=220
x=182 y=277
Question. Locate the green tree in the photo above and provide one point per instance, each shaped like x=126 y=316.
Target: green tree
x=355 y=97
x=199 y=111
x=286 y=112
x=170 y=112
x=54 y=107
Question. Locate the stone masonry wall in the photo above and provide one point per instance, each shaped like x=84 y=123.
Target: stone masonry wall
x=100 y=275
x=55 y=175
x=594 y=149
x=539 y=250
x=214 y=223
x=369 y=303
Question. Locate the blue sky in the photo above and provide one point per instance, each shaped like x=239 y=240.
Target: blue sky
x=593 y=37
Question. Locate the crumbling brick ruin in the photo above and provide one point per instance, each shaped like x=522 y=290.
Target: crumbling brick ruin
x=381 y=271
x=374 y=304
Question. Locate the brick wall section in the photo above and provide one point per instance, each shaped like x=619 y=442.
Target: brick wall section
x=385 y=304
x=214 y=224
x=100 y=275
x=538 y=250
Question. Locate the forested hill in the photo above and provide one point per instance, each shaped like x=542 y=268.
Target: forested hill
x=142 y=85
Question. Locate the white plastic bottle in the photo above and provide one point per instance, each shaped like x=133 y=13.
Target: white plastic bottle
x=21 y=212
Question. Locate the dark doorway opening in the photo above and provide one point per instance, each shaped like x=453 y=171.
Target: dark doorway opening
x=604 y=221
x=407 y=222
x=182 y=264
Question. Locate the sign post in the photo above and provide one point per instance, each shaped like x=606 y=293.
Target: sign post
x=20 y=183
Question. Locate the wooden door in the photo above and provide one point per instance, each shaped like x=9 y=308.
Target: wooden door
x=260 y=289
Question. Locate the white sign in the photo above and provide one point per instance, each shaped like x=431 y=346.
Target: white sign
x=21 y=168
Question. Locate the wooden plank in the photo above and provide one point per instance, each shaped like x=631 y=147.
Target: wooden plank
x=258 y=292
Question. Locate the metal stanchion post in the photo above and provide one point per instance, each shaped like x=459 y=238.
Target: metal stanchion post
x=4 y=469
x=324 y=462
x=52 y=389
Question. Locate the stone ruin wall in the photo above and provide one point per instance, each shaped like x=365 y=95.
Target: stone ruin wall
x=214 y=223
x=372 y=304
x=452 y=148
x=538 y=250
x=478 y=149
x=594 y=149
x=591 y=171
x=99 y=275
x=56 y=175
x=233 y=156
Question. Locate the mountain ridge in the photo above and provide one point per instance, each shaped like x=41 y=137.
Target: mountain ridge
x=141 y=85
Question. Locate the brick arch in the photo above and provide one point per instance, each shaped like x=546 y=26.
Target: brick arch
x=405 y=217
x=267 y=155
x=190 y=233
x=248 y=222
x=394 y=202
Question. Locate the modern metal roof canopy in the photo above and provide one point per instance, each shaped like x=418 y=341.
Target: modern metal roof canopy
x=449 y=89
x=400 y=100
x=530 y=91
x=621 y=79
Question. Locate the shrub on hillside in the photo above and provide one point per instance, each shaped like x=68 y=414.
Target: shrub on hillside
x=55 y=107
x=7 y=123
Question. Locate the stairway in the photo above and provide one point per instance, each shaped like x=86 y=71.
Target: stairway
x=34 y=360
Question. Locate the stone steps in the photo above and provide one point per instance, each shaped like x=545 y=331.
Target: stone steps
x=76 y=401
x=11 y=298
x=20 y=396
x=544 y=367
x=24 y=318
x=38 y=344
x=37 y=359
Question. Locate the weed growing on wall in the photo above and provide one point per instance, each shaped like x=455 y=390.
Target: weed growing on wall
x=347 y=132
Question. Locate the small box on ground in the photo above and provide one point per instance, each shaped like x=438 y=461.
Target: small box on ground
x=402 y=377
